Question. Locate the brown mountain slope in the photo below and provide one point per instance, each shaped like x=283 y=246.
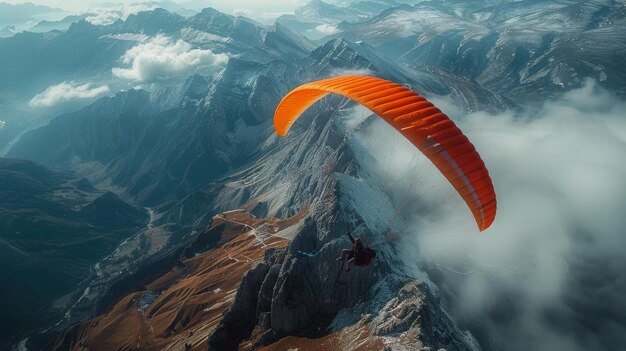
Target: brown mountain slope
x=354 y=337
x=237 y=294
x=180 y=309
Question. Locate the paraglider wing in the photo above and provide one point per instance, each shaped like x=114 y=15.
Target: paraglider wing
x=429 y=129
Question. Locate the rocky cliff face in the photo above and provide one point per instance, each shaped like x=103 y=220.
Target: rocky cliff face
x=304 y=292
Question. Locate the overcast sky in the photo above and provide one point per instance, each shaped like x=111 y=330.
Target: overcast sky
x=224 y=5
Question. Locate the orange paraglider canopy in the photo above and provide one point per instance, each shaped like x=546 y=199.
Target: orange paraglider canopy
x=429 y=129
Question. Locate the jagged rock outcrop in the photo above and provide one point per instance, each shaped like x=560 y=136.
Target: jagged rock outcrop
x=238 y=321
x=311 y=290
x=416 y=319
x=252 y=302
x=303 y=291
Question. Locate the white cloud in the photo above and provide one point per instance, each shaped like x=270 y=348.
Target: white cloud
x=107 y=15
x=160 y=58
x=327 y=29
x=552 y=263
x=67 y=91
x=243 y=12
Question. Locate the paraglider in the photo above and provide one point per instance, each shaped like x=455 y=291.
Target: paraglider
x=358 y=255
x=418 y=120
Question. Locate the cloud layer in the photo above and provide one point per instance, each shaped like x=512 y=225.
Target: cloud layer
x=107 y=15
x=161 y=58
x=548 y=275
x=552 y=264
x=67 y=91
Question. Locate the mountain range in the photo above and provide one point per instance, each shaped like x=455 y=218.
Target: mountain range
x=127 y=199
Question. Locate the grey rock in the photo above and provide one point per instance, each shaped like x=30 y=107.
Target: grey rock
x=416 y=319
x=239 y=319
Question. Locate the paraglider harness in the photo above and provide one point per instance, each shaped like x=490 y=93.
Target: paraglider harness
x=361 y=256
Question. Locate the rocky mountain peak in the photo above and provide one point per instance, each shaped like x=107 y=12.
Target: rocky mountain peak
x=151 y=22
x=212 y=20
x=281 y=37
x=340 y=53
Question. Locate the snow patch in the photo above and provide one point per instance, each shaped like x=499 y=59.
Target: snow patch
x=126 y=37
x=195 y=36
x=352 y=72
